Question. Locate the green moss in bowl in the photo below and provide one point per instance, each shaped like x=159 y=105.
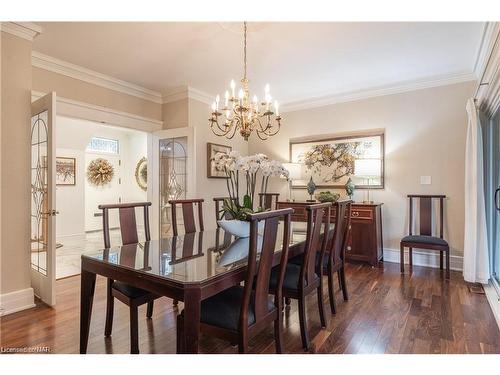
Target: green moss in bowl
x=327 y=196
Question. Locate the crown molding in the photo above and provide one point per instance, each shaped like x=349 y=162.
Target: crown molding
x=488 y=88
x=322 y=101
x=67 y=69
x=91 y=112
x=490 y=31
x=187 y=92
x=25 y=30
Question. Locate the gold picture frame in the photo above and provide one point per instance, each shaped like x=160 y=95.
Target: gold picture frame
x=65 y=171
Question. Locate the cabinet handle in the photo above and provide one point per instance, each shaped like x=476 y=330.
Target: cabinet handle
x=355 y=213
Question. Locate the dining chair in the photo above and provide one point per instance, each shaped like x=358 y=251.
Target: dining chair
x=187 y=206
x=425 y=239
x=334 y=261
x=268 y=201
x=219 y=202
x=241 y=312
x=128 y=294
x=305 y=278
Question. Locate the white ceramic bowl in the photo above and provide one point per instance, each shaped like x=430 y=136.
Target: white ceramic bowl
x=238 y=228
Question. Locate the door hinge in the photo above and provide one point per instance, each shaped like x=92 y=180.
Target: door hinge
x=119 y=162
x=120 y=181
x=120 y=200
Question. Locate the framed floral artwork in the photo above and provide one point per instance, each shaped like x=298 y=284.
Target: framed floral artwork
x=65 y=171
x=212 y=149
x=332 y=160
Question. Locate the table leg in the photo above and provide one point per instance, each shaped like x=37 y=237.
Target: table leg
x=191 y=329
x=86 y=298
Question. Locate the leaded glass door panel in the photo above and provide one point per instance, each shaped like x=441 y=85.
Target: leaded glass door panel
x=42 y=239
x=172 y=172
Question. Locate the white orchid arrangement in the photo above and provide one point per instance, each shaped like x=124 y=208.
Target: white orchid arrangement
x=232 y=164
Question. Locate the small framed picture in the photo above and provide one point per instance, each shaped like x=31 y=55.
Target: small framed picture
x=65 y=171
x=212 y=150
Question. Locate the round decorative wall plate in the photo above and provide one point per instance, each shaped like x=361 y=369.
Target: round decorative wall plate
x=141 y=173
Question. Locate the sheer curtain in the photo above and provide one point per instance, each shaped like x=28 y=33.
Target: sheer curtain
x=476 y=257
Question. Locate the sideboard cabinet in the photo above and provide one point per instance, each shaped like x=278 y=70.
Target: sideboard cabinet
x=365 y=239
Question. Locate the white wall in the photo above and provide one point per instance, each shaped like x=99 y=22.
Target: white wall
x=76 y=204
x=424 y=136
x=71 y=198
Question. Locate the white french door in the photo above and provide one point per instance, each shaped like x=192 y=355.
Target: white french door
x=43 y=197
x=171 y=173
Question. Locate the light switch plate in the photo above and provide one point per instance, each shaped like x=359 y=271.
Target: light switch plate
x=425 y=180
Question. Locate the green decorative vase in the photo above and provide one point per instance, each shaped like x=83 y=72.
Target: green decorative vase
x=349 y=188
x=311 y=188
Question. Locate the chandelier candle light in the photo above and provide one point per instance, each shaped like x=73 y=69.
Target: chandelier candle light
x=241 y=113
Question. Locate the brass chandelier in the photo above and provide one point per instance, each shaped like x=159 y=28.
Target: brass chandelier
x=239 y=113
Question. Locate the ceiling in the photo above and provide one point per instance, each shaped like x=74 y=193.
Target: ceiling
x=300 y=60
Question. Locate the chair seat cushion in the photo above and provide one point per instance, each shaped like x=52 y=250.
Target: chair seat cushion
x=426 y=240
x=292 y=275
x=223 y=309
x=129 y=290
x=298 y=259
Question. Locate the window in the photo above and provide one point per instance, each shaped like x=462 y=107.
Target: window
x=104 y=145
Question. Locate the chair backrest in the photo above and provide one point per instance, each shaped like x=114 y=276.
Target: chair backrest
x=187 y=214
x=425 y=213
x=318 y=215
x=190 y=248
x=128 y=225
x=341 y=230
x=219 y=202
x=258 y=274
x=268 y=201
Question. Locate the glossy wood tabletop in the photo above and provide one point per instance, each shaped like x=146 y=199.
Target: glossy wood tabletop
x=188 y=258
x=386 y=313
x=190 y=268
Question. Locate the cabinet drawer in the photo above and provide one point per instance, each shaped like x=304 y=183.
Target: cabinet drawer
x=299 y=213
x=357 y=213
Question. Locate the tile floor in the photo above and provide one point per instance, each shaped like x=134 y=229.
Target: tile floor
x=68 y=255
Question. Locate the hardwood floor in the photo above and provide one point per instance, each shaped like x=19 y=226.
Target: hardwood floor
x=386 y=313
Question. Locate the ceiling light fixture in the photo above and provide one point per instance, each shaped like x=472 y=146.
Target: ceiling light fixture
x=241 y=113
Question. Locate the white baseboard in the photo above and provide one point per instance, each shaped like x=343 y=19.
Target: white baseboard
x=423 y=258
x=493 y=299
x=16 y=301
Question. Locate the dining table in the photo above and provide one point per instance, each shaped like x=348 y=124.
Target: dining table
x=190 y=268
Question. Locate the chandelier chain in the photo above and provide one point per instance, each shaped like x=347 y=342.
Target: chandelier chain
x=245 y=50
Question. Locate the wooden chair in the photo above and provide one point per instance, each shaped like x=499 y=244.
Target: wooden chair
x=334 y=261
x=268 y=201
x=187 y=214
x=241 y=312
x=128 y=294
x=425 y=238
x=188 y=217
x=304 y=278
x=218 y=207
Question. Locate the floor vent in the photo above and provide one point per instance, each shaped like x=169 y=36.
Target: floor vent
x=476 y=288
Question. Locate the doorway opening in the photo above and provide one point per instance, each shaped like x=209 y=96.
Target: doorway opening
x=95 y=164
